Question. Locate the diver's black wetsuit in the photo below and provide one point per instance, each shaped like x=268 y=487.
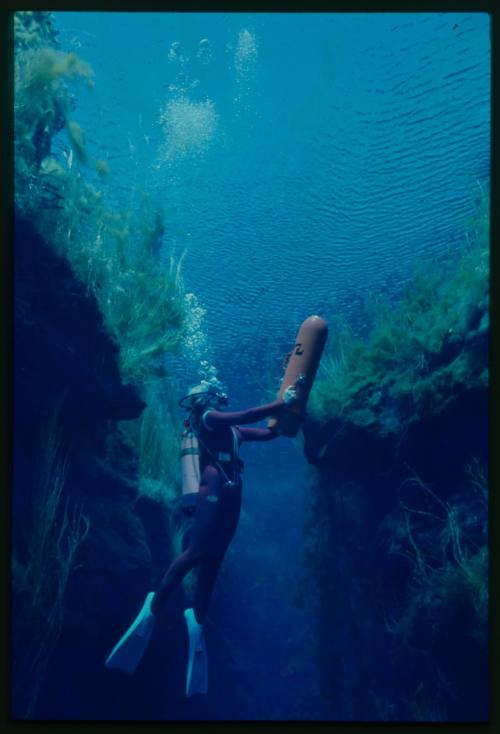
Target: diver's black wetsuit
x=218 y=504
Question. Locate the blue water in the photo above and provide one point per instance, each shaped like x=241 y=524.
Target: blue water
x=335 y=153
x=306 y=162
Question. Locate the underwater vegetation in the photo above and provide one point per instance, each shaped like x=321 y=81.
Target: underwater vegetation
x=42 y=102
x=157 y=436
x=438 y=619
x=399 y=508
x=34 y=29
x=65 y=363
x=446 y=543
x=42 y=562
x=119 y=259
x=420 y=352
x=117 y=423
x=402 y=619
x=140 y=299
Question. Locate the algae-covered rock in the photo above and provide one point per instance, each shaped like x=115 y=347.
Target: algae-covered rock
x=84 y=549
x=423 y=350
x=64 y=358
x=397 y=529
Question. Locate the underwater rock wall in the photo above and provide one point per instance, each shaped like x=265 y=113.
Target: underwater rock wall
x=397 y=545
x=80 y=571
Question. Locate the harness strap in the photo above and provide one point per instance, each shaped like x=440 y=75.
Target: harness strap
x=204 y=421
x=235 y=455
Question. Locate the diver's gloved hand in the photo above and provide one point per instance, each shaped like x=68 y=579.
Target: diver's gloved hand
x=289 y=397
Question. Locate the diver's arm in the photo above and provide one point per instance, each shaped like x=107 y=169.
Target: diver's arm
x=216 y=418
x=258 y=434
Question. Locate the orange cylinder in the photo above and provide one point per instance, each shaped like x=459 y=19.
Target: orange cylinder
x=190 y=464
x=300 y=366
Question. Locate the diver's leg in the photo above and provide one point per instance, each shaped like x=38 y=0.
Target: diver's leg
x=207 y=575
x=230 y=504
x=179 y=567
x=201 y=538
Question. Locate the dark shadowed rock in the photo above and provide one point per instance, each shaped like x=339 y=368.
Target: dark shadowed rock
x=64 y=357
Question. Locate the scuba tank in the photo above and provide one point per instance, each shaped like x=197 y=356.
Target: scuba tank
x=190 y=467
x=191 y=453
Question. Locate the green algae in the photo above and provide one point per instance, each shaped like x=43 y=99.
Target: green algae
x=42 y=564
x=42 y=104
x=429 y=597
x=141 y=300
x=420 y=352
x=120 y=256
x=418 y=581
x=446 y=545
x=156 y=435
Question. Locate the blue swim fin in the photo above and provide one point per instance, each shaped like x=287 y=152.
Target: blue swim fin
x=128 y=651
x=197 y=669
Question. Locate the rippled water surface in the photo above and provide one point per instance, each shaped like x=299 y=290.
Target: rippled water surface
x=300 y=158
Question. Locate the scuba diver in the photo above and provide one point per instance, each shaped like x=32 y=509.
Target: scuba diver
x=216 y=509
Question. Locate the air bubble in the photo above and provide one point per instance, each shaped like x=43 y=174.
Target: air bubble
x=188 y=126
x=204 y=53
x=173 y=52
x=246 y=51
